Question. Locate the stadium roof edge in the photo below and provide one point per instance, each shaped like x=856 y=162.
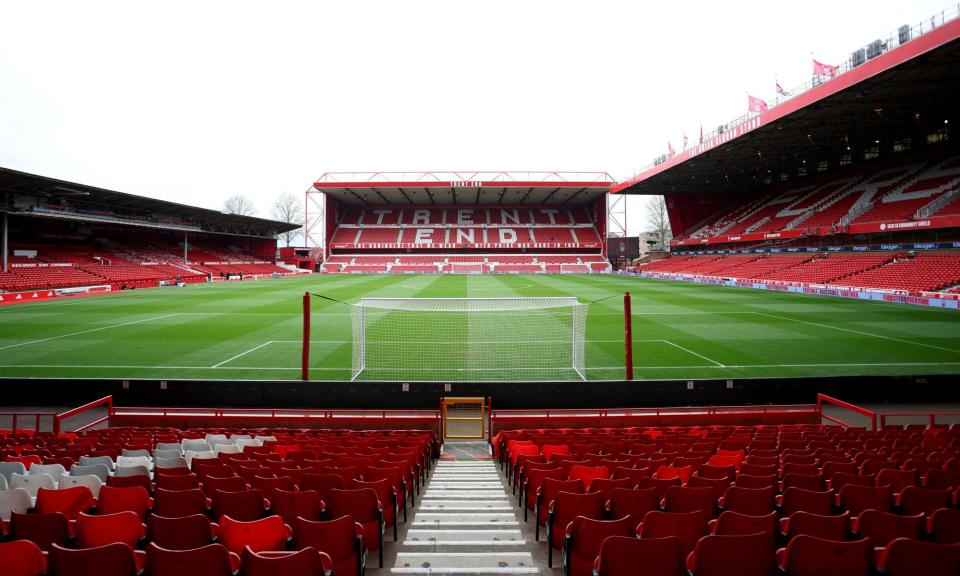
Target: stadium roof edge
x=648 y=181
x=464 y=187
x=194 y=219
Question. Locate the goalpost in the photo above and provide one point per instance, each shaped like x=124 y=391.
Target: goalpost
x=482 y=339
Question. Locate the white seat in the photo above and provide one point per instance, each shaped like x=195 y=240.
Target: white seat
x=137 y=470
x=195 y=445
x=178 y=462
x=3 y=482
x=166 y=454
x=227 y=449
x=249 y=442
x=168 y=446
x=91 y=460
x=138 y=452
x=99 y=470
x=7 y=469
x=55 y=470
x=90 y=481
x=265 y=438
x=211 y=438
x=14 y=500
x=32 y=483
x=189 y=455
x=235 y=437
x=128 y=461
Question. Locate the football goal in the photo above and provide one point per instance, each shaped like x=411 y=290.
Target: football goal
x=476 y=339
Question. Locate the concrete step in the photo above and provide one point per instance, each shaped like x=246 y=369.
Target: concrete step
x=465 y=563
x=457 y=525
x=448 y=485
x=473 y=517
x=479 y=505
x=453 y=535
x=464 y=494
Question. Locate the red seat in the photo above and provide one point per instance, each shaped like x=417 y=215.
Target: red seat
x=906 y=557
x=828 y=527
x=533 y=478
x=22 y=558
x=563 y=509
x=181 y=533
x=546 y=494
x=756 y=480
x=132 y=499
x=743 y=555
x=388 y=498
x=810 y=556
x=44 y=530
x=341 y=539
x=684 y=499
x=606 y=486
x=801 y=500
x=103 y=529
x=809 y=482
x=661 y=557
x=944 y=526
x=210 y=484
x=916 y=500
x=857 y=498
x=208 y=560
x=583 y=539
x=883 y=527
x=177 y=482
x=68 y=501
x=138 y=480
x=110 y=560
x=736 y=524
x=244 y=505
x=669 y=472
x=633 y=503
x=268 y=533
x=753 y=501
x=179 y=503
x=364 y=507
x=587 y=474
x=322 y=484
x=687 y=526
x=304 y=562
x=291 y=505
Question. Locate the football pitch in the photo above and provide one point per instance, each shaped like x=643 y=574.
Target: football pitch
x=252 y=330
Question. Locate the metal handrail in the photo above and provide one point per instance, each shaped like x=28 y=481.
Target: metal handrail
x=823 y=398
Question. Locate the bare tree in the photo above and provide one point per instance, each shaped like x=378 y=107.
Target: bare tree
x=288 y=208
x=239 y=204
x=658 y=221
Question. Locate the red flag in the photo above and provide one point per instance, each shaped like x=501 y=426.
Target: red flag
x=755 y=104
x=670 y=148
x=821 y=69
x=781 y=91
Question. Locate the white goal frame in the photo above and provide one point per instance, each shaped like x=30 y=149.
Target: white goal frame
x=519 y=318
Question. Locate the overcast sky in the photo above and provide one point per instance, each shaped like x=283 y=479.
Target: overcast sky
x=195 y=101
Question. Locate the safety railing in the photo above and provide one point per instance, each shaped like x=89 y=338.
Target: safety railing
x=17 y=420
x=272 y=413
x=106 y=401
x=824 y=399
x=931 y=417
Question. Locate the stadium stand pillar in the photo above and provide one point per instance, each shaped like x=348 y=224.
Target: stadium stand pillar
x=4 y=267
x=186 y=250
x=627 y=336
x=305 y=360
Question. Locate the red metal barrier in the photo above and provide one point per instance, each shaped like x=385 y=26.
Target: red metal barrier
x=930 y=416
x=105 y=401
x=823 y=398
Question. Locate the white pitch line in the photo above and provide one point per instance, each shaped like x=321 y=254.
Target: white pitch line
x=267 y=343
x=88 y=331
x=858 y=332
x=689 y=351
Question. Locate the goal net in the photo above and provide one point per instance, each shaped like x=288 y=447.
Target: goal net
x=479 y=339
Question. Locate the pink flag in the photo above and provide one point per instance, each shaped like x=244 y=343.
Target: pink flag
x=821 y=69
x=670 y=148
x=755 y=104
x=781 y=91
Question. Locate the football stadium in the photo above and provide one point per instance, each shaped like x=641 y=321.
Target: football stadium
x=496 y=372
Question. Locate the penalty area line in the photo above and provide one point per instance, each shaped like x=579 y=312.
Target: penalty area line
x=254 y=349
x=89 y=331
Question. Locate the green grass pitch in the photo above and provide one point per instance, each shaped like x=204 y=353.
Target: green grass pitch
x=252 y=330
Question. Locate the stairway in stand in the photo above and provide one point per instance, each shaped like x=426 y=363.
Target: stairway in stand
x=465 y=523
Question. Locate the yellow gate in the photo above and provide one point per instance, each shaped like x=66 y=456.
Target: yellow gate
x=464 y=418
